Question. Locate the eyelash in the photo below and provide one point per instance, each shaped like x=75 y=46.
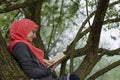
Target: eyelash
x=34 y=32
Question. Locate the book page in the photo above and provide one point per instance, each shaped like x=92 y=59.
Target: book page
x=57 y=58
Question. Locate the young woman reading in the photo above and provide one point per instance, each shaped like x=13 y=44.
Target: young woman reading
x=30 y=58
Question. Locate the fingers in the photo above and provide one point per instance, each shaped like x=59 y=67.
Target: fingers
x=51 y=61
x=48 y=62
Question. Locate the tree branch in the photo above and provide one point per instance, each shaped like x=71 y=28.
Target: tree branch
x=104 y=70
x=112 y=20
x=82 y=52
x=17 y=6
x=110 y=52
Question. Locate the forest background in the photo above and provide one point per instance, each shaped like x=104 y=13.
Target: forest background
x=87 y=31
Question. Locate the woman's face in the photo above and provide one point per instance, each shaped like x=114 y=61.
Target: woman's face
x=31 y=35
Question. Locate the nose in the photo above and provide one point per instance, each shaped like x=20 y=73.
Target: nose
x=35 y=35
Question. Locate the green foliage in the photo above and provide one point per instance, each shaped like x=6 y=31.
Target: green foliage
x=5 y=21
x=54 y=16
x=113 y=12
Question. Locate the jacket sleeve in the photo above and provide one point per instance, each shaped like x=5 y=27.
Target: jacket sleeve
x=23 y=55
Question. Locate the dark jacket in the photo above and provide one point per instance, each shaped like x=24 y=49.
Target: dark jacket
x=29 y=64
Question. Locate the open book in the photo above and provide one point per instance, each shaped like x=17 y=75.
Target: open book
x=57 y=58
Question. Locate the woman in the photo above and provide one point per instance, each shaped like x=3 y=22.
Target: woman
x=30 y=58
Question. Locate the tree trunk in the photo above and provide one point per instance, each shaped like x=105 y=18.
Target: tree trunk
x=92 y=56
x=9 y=69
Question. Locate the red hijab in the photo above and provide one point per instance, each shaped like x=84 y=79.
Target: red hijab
x=18 y=33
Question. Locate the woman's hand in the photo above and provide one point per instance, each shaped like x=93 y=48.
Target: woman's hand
x=48 y=62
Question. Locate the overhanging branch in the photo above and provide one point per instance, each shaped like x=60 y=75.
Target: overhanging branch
x=17 y=6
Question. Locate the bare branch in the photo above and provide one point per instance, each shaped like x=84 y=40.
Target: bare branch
x=104 y=70
x=110 y=52
x=112 y=20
